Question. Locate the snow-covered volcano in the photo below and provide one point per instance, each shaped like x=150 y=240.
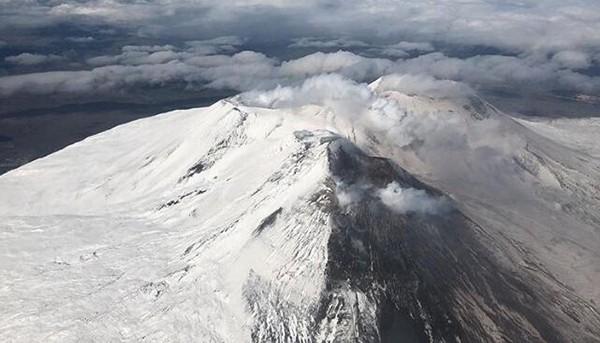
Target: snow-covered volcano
x=326 y=212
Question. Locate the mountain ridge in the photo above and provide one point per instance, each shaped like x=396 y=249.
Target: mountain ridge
x=292 y=222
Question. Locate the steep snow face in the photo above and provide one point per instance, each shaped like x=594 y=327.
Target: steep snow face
x=139 y=165
x=162 y=228
x=287 y=216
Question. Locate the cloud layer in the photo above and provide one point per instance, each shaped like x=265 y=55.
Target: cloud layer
x=523 y=26
x=81 y=46
x=200 y=64
x=32 y=59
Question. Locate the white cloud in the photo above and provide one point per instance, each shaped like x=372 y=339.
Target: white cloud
x=157 y=54
x=332 y=91
x=101 y=79
x=398 y=199
x=32 y=59
x=349 y=194
x=411 y=200
x=86 y=39
x=434 y=73
x=501 y=71
x=423 y=85
x=319 y=63
x=342 y=62
x=137 y=55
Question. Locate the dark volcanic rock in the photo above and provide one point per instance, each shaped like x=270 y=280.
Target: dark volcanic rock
x=396 y=277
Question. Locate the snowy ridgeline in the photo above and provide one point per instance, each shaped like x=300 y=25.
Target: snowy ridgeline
x=292 y=216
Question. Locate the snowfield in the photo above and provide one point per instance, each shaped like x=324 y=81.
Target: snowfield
x=372 y=213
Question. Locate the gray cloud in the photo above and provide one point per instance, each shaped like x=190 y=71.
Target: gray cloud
x=313 y=42
x=404 y=49
x=216 y=45
x=573 y=59
x=524 y=26
x=417 y=46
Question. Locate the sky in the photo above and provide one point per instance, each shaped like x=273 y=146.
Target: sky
x=534 y=57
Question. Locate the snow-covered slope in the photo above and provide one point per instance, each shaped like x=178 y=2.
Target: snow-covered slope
x=370 y=214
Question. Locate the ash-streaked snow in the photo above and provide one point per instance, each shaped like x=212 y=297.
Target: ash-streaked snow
x=233 y=223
